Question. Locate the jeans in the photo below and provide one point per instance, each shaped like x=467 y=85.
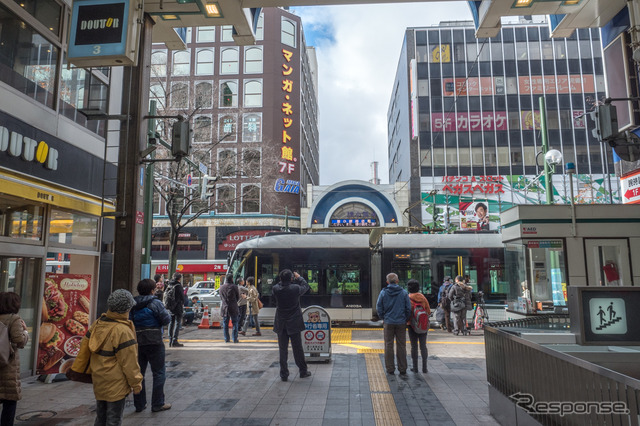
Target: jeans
x=298 y=352
x=225 y=327
x=174 y=327
x=397 y=332
x=241 y=315
x=154 y=356
x=461 y=321
x=418 y=339
x=8 y=412
x=109 y=413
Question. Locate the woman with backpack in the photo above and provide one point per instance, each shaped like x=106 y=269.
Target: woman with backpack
x=417 y=328
x=10 y=389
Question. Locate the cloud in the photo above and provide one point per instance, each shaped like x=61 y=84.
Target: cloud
x=358 y=48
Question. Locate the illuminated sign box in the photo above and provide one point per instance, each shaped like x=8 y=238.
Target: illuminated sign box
x=104 y=33
x=605 y=315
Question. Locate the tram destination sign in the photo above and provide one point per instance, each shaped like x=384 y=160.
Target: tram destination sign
x=104 y=33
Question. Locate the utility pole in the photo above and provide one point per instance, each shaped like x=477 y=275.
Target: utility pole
x=131 y=177
x=148 y=198
x=548 y=173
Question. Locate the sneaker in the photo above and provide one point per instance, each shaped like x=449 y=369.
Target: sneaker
x=415 y=370
x=164 y=407
x=242 y=332
x=257 y=334
x=305 y=374
x=236 y=341
x=177 y=345
x=424 y=369
x=284 y=379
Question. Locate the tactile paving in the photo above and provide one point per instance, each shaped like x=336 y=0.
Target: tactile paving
x=341 y=335
x=377 y=376
x=384 y=410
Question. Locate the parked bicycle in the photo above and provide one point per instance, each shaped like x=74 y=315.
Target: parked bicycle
x=480 y=315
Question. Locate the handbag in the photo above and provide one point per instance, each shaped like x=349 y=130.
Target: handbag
x=457 y=304
x=260 y=305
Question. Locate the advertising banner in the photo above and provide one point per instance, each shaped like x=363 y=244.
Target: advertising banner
x=474 y=216
x=468 y=121
x=65 y=320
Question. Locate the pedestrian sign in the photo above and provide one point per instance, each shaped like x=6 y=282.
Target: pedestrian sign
x=608 y=316
x=316 y=338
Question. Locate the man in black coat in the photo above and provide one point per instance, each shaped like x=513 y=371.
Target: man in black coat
x=176 y=311
x=288 y=323
x=229 y=296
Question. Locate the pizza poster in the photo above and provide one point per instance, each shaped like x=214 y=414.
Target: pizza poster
x=65 y=320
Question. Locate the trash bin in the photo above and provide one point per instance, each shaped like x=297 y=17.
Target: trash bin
x=316 y=338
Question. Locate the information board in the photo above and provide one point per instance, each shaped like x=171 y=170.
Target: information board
x=316 y=338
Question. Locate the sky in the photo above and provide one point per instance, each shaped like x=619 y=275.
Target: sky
x=358 y=48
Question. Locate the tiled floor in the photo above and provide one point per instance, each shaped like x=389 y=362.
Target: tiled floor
x=210 y=382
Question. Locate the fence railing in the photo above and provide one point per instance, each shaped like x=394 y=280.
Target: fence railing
x=556 y=388
x=544 y=321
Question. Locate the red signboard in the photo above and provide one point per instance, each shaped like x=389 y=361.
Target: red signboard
x=194 y=268
x=232 y=240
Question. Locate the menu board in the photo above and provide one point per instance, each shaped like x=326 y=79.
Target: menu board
x=65 y=320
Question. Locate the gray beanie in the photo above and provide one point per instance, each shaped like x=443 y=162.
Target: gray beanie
x=120 y=301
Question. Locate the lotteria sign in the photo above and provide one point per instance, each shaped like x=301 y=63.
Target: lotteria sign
x=104 y=33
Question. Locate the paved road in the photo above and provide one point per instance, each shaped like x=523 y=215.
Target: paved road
x=210 y=382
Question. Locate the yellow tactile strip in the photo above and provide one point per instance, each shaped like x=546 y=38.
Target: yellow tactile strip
x=341 y=335
x=370 y=351
x=384 y=410
x=377 y=376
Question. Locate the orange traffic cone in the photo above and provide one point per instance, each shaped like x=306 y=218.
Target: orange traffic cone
x=205 y=319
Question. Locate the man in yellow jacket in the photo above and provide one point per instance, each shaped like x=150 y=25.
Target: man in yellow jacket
x=112 y=348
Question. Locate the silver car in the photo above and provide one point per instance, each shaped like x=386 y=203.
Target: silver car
x=212 y=298
x=201 y=288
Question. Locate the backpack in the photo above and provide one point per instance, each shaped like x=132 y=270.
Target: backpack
x=6 y=350
x=444 y=300
x=169 y=297
x=419 y=318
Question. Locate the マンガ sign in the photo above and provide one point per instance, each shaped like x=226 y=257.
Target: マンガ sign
x=104 y=32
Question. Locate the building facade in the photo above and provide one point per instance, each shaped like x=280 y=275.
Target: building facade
x=253 y=111
x=464 y=121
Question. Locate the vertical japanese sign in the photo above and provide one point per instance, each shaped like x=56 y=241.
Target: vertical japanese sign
x=288 y=181
x=65 y=318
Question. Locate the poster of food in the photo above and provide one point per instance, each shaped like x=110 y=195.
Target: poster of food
x=65 y=320
x=474 y=216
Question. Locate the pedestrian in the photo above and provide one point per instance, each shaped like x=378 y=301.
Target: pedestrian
x=174 y=302
x=288 y=322
x=159 y=290
x=460 y=291
x=416 y=339
x=110 y=348
x=394 y=308
x=242 y=305
x=150 y=316
x=229 y=297
x=253 y=297
x=445 y=303
x=10 y=386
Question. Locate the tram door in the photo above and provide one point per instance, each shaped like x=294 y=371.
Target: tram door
x=447 y=269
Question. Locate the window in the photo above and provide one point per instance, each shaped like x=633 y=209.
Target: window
x=288 y=33
x=27 y=59
x=158 y=63
x=251 y=162
x=204 y=93
x=179 y=95
x=202 y=129
x=228 y=94
x=181 y=63
x=250 y=199
x=21 y=220
x=227 y=33
x=206 y=34
x=260 y=28
x=79 y=89
x=343 y=279
x=252 y=93
x=253 y=60
x=73 y=228
x=229 y=61
x=225 y=201
x=204 y=62
x=157 y=92
x=227 y=162
x=48 y=12
x=227 y=128
x=251 y=127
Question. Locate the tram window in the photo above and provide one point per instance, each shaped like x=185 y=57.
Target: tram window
x=269 y=270
x=310 y=273
x=343 y=279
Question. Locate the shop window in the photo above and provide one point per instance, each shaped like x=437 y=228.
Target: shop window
x=27 y=60
x=252 y=128
x=73 y=229
x=288 y=32
x=20 y=220
x=250 y=199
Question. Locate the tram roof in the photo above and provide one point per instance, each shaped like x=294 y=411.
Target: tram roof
x=338 y=240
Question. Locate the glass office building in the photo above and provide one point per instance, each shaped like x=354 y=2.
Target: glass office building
x=464 y=120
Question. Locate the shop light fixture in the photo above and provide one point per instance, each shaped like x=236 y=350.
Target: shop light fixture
x=170 y=17
x=571 y=2
x=522 y=3
x=212 y=10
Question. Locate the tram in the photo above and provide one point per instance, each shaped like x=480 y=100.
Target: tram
x=346 y=272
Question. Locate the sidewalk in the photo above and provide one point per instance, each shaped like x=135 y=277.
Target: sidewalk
x=210 y=382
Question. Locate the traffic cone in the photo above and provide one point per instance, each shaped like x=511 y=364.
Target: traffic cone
x=215 y=324
x=205 y=320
